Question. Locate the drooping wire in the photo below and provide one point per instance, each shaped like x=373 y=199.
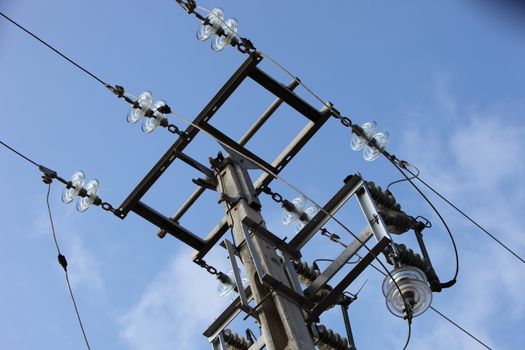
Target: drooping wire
x=404 y=179
x=452 y=240
x=63 y=262
x=56 y=50
x=468 y=217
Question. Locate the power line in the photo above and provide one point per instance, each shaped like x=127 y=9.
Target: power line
x=56 y=51
x=469 y=218
x=267 y=170
x=459 y=327
x=63 y=262
x=61 y=258
x=19 y=154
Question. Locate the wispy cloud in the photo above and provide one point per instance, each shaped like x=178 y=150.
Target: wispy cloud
x=174 y=309
x=476 y=161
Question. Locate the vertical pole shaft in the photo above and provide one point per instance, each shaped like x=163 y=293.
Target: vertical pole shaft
x=282 y=321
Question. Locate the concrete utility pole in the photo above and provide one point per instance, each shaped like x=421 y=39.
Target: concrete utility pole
x=281 y=320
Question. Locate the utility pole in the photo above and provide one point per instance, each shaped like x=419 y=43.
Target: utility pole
x=281 y=320
x=289 y=316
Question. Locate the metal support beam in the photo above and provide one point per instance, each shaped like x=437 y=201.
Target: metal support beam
x=238 y=280
x=331 y=298
x=353 y=183
x=227 y=316
x=286 y=95
x=375 y=220
x=265 y=179
x=171 y=154
x=168 y=225
x=338 y=263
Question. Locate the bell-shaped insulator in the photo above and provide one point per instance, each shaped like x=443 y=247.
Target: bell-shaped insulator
x=142 y=105
x=410 y=291
x=71 y=192
x=229 y=27
x=211 y=24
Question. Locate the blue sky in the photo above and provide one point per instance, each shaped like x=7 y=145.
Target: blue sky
x=445 y=79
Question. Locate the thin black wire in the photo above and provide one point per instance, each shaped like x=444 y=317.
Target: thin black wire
x=19 y=154
x=65 y=268
x=468 y=218
x=409 y=335
x=310 y=91
x=56 y=51
x=458 y=326
x=453 y=241
x=403 y=179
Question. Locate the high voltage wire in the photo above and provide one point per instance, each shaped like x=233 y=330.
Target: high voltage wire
x=255 y=162
x=390 y=157
x=260 y=165
x=467 y=217
x=55 y=50
x=63 y=262
x=311 y=92
x=61 y=258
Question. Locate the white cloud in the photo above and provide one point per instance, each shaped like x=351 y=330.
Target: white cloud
x=477 y=163
x=174 y=309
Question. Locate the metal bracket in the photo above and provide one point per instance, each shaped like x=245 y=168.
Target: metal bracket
x=219 y=343
x=273 y=239
x=338 y=263
x=238 y=280
x=227 y=316
x=259 y=344
x=269 y=280
x=331 y=298
x=368 y=207
x=353 y=183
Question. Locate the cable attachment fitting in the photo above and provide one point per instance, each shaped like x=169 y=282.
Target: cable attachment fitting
x=120 y=92
x=246 y=46
x=346 y=122
x=107 y=207
x=174 y=129
x=188 y=6
x=49 y=175
x=62 y=261
x=211 y=270
x=276 y=197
